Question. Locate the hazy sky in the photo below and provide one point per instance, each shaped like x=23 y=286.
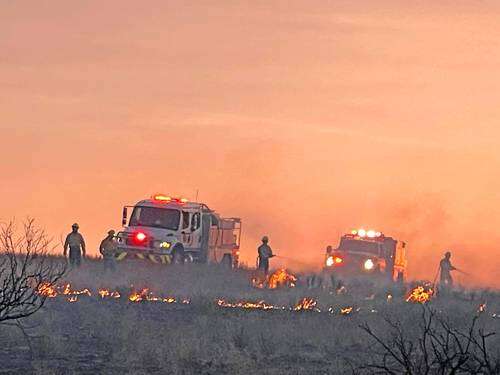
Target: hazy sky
x=305 y=118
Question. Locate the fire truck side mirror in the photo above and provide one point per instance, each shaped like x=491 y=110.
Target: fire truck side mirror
x=124 y=216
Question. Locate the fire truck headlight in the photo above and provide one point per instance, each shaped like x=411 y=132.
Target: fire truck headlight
x=329 y=261
x=371 y=234
x=165 y=245
x=368 y=265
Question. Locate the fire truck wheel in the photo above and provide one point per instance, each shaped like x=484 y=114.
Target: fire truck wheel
x=178 y=256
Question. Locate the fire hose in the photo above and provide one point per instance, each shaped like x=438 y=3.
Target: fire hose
x=282 y=257
x=456 y=269
x=463 y=272
x=297 y=261
x=257 y=260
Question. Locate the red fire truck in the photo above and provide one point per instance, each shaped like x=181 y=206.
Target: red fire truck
x=368 y=253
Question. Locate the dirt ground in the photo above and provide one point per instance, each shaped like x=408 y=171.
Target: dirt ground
x=195 y=335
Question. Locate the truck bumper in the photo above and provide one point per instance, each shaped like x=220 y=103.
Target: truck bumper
x=126 y=252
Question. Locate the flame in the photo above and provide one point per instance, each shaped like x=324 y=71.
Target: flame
x=346 y=310
x=306 y=304
x=67 y=291
x=259 y=305
x=278 y=279
x=481 y=308
x=420 y=294
x=105 y=293
x=142 y=295
x=146 y=295
x=47 y=289
x=281 y=278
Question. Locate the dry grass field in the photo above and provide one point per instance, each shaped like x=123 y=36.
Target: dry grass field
x=200 y=334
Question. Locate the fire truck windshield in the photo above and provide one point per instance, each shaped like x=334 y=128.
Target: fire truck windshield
x=166 y=218
x=358 y=246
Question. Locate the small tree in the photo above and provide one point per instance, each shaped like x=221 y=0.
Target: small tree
x=24 y=267
x=437 y=348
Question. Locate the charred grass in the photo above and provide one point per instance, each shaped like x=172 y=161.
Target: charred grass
x=116 y=336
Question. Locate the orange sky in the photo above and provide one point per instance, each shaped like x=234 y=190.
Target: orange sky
x=305 y=118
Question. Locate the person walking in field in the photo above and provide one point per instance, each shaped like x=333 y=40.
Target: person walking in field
x=265 y=252
x=445 y=268
x=108 y=251
x=76 y=244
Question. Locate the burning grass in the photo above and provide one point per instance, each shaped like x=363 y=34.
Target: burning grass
x=104 y=325
x=280 y=278
x=142 y=295
x=306 y=304
x=421 y=294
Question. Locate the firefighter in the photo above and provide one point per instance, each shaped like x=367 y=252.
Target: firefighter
x=108 y=250
x=265 y=253
x=76 y=245
x=329 y=249
x=445 y=269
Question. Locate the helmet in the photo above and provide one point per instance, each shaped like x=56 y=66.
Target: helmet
x=265 y=239
x=75 y=225
x=447 y=254
x=111 y=232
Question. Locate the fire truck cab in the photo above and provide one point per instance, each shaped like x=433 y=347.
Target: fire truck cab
x=368 y=253
x=164 y=229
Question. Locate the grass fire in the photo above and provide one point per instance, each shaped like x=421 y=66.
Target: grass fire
x=144 y=309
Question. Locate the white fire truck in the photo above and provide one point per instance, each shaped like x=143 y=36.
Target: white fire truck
x=367 y=253
x=165 y=229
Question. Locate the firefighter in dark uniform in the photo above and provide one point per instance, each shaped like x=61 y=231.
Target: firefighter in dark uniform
x=265 y=253
x=76 y=244
x=445 y=268
x=108 y=250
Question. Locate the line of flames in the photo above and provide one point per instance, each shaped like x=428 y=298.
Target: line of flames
x=282 y=278
x=49 y=290
x=420 y=294
x=304 y=304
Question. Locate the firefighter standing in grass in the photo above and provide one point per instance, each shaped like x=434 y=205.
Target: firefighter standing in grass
x=108 y=250
x=76 y=244
x=265 y=253
x=445 y=269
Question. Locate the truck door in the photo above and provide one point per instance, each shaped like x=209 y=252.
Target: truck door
x=195 y=229
x=185 y=228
